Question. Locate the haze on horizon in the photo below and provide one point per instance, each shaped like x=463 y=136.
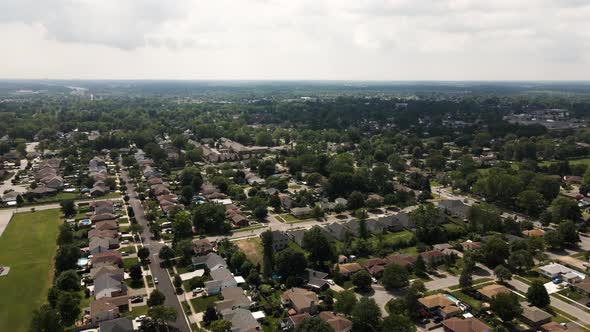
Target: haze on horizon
x=296 y=39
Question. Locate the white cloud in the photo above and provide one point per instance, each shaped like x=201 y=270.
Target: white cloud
x=283 y=39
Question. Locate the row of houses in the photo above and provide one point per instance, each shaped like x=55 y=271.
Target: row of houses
x=160 y=190
x=97 y=169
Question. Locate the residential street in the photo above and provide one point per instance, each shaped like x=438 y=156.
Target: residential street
x=165 y=284
x=451 y=280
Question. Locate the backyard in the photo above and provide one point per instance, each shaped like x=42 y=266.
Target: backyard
x=28 y=247
x=252 y=248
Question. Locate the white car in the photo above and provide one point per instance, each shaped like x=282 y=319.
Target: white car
x=331 y=282
x=156 y=280
x=374 y=280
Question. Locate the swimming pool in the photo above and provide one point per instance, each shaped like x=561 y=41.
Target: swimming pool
x=452 y=298
x=85 y=222
x=82 y=262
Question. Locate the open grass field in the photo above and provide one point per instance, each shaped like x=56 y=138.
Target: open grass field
x=28 y=247
x=252 y=248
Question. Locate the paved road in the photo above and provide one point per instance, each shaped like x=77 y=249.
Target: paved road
x=165 y=284
x=451 y=280
x=582 y=316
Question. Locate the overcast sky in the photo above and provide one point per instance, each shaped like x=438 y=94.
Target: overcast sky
x=296 y=39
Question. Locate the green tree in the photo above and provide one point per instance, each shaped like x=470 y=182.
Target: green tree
x=537 y=294
x=319 y=247
x=209 y=218
x=162 y=313
x=66 y=257
x=563 y=208
x=362 y=280
x=143 y=253
x=568 y=234
x=356 y=200
x=397 y=323
x=420 y=267
x=166 y=253
x=66 y=235
x=220 y=325
x=45 y=319
x=135 y=272
x=531 y=202
x=156 y=298
x=314 y=324
x=267 y=253
x=68 y=208
x=506 y=306
x=466 y=278
x=366 y=316
x=495 y=251
x=289 y=262
x=345 y=302
x=521 y=260
x=428 y=229
x=395 y=276
x=552 y=239
x=502 y=273
x=68 y=306
x=68 y=281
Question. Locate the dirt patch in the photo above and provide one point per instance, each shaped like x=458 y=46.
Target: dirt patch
x=252 y=248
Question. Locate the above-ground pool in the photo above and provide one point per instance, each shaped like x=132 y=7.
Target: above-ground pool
x=452 y=298
x=82 y=262
x=85 y=222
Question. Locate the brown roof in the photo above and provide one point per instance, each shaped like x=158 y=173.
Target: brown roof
x=435 y=300
x=491 y=291
x=583 y=285
x=470 y=245
x=338 y=323
x=102 y=233
x=297 y=319
x=553 y=326
x=533 y=232
x=349 y=267
x=403 y=260
x=372 y=262
x=110 y=256
x=106 y=225
x=431 y=254
x=465 y=325
x=300 y=298
x=107 y=304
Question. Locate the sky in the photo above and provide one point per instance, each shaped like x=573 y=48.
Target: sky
x=296 y=39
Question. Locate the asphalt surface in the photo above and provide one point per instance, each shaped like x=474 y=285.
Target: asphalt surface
x=164 y=283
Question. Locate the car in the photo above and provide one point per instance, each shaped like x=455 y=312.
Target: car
x=141 y=318
x=424 y=321
x=331 y=282
x=374 y=280
x=124 y=253
x=156 y=280
x=588 y=304
x=197 y=290
x=137 y=299
x=556 y=281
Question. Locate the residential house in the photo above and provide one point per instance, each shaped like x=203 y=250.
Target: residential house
x=293 y=321
x=557 y=327
x=432 y=256
x=123 y=324
x=241 y=320
x=211 y=261
x=337 y=322
x=114 y=271
x=202 y=246
x=301 y=300
x=106 y=285
x=315 y=280
x=111 y=257
x=583 y=287
x=533 y=232
x=454 y=207
x=233 y=298
x=375 y=266
x=297 y=235
x=465 y=325
x=336 y=230
x=300 y=212
x=348 y=269
x=490 y=291
x=439 y=304
x=102 y=244
x=400 y=259
x=470 y=245
x=108 y=308
x=221 y=278
x=555 y=270
x=280 y=240
x=102 y=217
x=106 y=225
x=533 y=316
x=239 y=220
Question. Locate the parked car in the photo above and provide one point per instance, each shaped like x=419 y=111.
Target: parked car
x=137 y=299
x=156 y=280
x=124 y=253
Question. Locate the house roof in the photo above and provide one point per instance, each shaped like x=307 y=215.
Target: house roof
x=400 y=259
x=533 y=232
x=300 y=298
x=232 y=297
x=465 y=325
x=338 y=323
x=435 y=300
x=349 y=267
x=123 y=324
x=491 y=291
x=555 y=268
x=241 y=320
x=108 y=282
x=107 y=304
x=211 y=260
x=534 y=314
x=297 y=319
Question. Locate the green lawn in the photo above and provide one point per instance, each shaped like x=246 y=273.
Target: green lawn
x=201 y=303
x=28 y=247
x=136 y=311
x=129 y=262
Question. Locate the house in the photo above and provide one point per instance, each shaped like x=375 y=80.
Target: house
x=108 y=308
x=293 y=321
x=354 y=227
x=439 y=304
x=111 y=257
x=554 y=270
x=400 y=259
x=465 y=325
x=348 y=269
x=301 y=300
x=382 y=224
x=533 y=232
x=375 y=266
x=42 y=191
x=239 y=220
x=557 y=327
x=211 y=261
x=336 y=230
x=54 y=182
x=490 y=291
x=202 y=246
x=233 y=297
x=454 y=207
x=102 y=244
x=123 y=324
x=286 y=201
x=337 y=322
x=572 y=179
x=432 y=256
x=241 y=320
x=315 y=280
x=583 y=287
x=470 y=245
x=301 y=211
x=106 y=225
x=113 y=271
x=102 y=217
x=106 y=285
x=442 y=246
x=106 y=233
x=404 y=220
x=297 y=236
x=533 y=316
x=221 y=278
x=280 y=240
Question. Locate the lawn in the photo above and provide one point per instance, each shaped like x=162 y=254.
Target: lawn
x=252 y=248
x=129 y=262
x=201 y=303
x=136 y=311
x=28 y=247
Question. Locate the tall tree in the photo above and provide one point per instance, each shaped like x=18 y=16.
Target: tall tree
x=395 y=276
x=537 y=294
x=314 y=324
x=45 y=319
x=319 y=247
x=366 y=316
x=268 y=253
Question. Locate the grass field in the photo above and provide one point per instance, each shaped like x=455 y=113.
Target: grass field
x=28 y=247
x=252 y=248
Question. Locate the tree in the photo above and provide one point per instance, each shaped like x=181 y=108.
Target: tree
x=68 y=208
x=521 y=260
x=143 y=253
x=45 y=319
x=68 y=306
x=345 y=302
x=506 y=306
x=356 y=200
x=182 y=226
x=397 y=323
x=537 y=294
x=362 y=280
x=366 y=316
x=552 y=239
x=314 y=324
x=66 y=257
x=395 y=276
x=210 y=315
x=495 y=251
x=531 y=202
x=289 y=262
x=568 y=234
x=166 y=253
x=466 y=278
x=68 y=281
x=209 y=218
x=267 y=252
x=428 y=229
x=319 y=247
x=156 y=298
x=220 y=325
x=563 y=208
x=502 y=273
x=162 y=313
x=420 y=267
x=66 y=235
x=135 y=272
x=260 y=212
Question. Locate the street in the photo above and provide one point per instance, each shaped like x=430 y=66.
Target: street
x=165 y=284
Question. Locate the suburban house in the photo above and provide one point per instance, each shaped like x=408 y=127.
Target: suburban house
x=454 y=207
x=123 y=324
x=555 y=270
x=102 y=244
x=348 y=269
x=211 y=261
x=280 y=240
x=533 y=232
x=108 y=308
x=315 y=280
x=106 y=285
x=300 y=212
x=301 y=300
x=113 y=271
x=220 y=278
x=533 y=316
x=465 y=325
x=202 y=246
x=293 y=321
x=490 y=291
x=110 y=257
x=336 y=230
x=337 y=322
x=432 y=256
x=297 y=235
x=470 y=245
x=583 y=287
x=241 y=320
x=400 y=259
x=375 y=266
x=556 y=327
x=233 y=297
x=439 y=304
